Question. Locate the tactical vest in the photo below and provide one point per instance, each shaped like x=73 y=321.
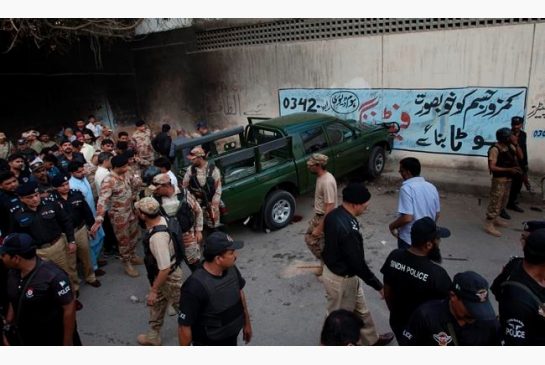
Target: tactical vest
x=223 y=317
x=505 y=159
x=150 y=262
x=207 y=191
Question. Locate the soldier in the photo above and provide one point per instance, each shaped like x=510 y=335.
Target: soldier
x=171 y=200
x=325 y=199
x=142 y=143
x=163 y=266
x=502 y=162
x=117 y=192
x=204 y=181
x=75 y=206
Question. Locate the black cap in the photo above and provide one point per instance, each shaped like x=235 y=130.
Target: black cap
x=27 y=188
x=531 y=226
x=472 y=289
x=119 y=160
x=219 y=242
x=425 y=229
x=517 y=120
x=17 y=243
x=139 y=123
x=534 y=247
x=59 y=179
x=201 y=124
x=356 y=193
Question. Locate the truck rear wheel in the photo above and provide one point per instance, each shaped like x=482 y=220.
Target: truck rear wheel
x=278 y=209
x=377 y=159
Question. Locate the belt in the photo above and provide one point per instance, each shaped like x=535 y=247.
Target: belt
x=80 y=226
x=49 y=244
x=319 y=214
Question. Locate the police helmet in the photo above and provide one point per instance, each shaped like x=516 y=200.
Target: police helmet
x=149 y=174
x=503 y=134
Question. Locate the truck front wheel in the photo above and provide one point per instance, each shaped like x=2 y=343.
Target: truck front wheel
x=278 y=209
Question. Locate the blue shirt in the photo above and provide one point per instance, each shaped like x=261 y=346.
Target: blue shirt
x=85 y=188
x=418 y=198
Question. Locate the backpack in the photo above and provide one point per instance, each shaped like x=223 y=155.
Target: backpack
x=150 y=261
x=185 y=215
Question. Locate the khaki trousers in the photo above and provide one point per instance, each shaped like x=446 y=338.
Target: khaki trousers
x=347 y=293
x=57 y=253
x=83 y=254
x=168 y=293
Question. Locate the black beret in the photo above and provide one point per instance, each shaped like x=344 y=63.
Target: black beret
x=119 y=161
x=59 y=179
x=27 y=188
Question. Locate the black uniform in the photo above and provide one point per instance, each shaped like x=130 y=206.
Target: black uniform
x=429 y=326
x=161 y=144
x=40 y=315
x=63 y=162
x=76 y=207
x=516 y=183
x=195 y=303
x=413 y=280
x=343 y=252
x=45 y=225
x=9 y=203
x=522 y=320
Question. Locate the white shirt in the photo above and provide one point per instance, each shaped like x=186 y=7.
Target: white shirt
x=173 y=179
x=418 y=198
x=96 y=129
x=100 y=174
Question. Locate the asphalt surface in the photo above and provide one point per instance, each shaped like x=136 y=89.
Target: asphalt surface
x=286 y=300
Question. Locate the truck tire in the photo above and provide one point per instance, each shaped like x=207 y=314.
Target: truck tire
x=377 y=160
x=278 y=209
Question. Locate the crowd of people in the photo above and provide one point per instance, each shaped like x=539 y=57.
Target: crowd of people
x=88 y=195
x=91 y=194
x=426 y=306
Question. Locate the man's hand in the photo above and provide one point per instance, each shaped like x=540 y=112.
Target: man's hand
x=317 y=232
x=151 y=298
x=247 y=332
x=71 y=248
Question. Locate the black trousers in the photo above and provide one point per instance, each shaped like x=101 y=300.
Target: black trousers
x=516 y=186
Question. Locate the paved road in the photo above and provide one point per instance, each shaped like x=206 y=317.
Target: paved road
x=285 y=298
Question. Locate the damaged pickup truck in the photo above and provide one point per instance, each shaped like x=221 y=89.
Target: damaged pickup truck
x=263 y=164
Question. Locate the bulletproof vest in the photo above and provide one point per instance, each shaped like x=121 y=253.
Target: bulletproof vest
x=505 y=159
x=150 y=262
x=223 y=316
x=207 y=191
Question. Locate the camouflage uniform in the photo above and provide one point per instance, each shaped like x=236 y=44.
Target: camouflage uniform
x=116 y=196
x=90 y=171
x=499 y=194
x=142 y=144
x=202 y=174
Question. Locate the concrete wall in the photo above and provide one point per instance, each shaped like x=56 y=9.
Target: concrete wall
x=241 y=82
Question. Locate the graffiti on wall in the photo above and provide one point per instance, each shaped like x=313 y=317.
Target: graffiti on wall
x=460 y=121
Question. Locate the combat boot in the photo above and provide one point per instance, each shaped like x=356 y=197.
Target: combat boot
x=130 y=270
x=490 y=229
x=500 y=223
x=151 y=338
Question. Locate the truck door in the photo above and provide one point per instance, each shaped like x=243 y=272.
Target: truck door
x=345 y=148
x=313 y=140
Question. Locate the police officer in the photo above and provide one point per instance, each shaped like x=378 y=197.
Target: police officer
x=522 y=296
x=163 y=266
x=522 y=154
x=344 y=262
x=49 y=226
x=413 y=276
x=466 y=318
x=41 y=302
x=502 y=162
x=171 y=200
x=204 y=181
x=9 y=200
x=74 y=204
x=213 y=306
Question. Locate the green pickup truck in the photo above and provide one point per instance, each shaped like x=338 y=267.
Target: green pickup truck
x=263 y=165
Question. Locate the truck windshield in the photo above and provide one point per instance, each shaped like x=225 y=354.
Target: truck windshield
x=257 y=136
